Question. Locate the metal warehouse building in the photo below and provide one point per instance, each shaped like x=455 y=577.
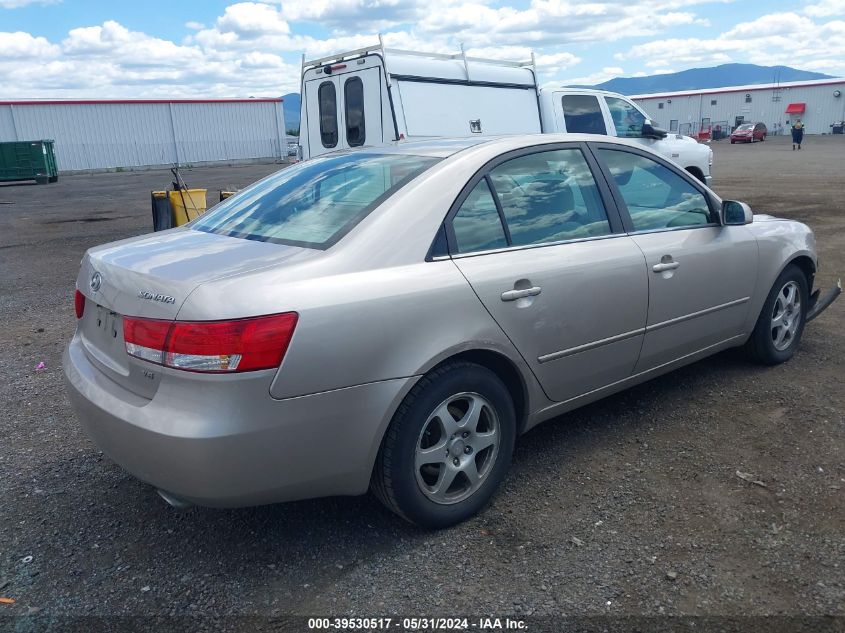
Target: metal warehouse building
x=137 y=133
x=819 y=104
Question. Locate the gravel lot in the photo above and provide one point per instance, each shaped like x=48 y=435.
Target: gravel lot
x=630 y=506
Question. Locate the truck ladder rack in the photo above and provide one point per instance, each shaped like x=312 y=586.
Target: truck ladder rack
x=380 y=48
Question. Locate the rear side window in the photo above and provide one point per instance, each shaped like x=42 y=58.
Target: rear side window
x=582 y=114
x=315 y=203
x=549 y=197
x=327 y=98
x=477 y=225
x=656 y=197
x=627 y=120
x=354 y=101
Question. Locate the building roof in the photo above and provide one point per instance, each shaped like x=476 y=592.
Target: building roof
x=132 y=101
x=749 y=88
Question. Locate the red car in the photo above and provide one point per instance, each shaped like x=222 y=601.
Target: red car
x=749 y=132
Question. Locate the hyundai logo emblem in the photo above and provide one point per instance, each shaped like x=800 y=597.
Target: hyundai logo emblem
x=96 y=281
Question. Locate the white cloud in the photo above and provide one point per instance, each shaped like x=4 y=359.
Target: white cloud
x=21 y=46
x=251 y=19
x=826 y=8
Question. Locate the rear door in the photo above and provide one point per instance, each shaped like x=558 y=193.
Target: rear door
x=701 y=274
x=362 y=112
x=344 y=110
x=325 y=115
x=539 y=240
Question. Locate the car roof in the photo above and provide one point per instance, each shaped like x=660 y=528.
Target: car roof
x=435 y=147
x=446 y=147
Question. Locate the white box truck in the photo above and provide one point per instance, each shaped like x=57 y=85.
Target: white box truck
x=374 y=96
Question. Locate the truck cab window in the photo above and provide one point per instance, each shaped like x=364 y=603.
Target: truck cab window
x=327 y=98
x=582 y=114
x=354 y=101
x=627 y=120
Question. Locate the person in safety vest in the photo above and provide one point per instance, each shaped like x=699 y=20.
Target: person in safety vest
x=797 y=134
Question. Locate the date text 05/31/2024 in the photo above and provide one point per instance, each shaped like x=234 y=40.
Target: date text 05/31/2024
x=416 y=624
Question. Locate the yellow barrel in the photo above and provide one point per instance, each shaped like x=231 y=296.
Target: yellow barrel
x=187 y=204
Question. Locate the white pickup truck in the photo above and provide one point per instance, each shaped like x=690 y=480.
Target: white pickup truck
x=374 y=96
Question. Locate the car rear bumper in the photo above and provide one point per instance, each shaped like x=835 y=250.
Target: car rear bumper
x=228 y=443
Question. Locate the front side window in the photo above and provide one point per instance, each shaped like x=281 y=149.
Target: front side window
x=582 y=114
x=627 y=120
x=549 y=197
x=315 y=203
x=477 y=225
x=353 y=99
x=327 y=98
x=656 y=197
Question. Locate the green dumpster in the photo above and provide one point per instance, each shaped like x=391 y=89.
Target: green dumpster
x=28 y=160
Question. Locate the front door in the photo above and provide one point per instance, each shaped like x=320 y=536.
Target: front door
x=701 y=274
x=537 y=242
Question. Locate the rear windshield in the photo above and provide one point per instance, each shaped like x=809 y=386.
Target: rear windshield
x=315 y=203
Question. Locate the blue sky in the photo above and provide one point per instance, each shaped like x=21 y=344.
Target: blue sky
x=94 y=48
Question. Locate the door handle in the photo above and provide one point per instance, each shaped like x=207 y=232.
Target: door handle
x=513 y=295
x=659 y=268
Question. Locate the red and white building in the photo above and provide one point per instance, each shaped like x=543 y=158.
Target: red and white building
x=819 y=104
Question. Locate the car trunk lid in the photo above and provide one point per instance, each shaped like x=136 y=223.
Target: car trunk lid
x=150 y=277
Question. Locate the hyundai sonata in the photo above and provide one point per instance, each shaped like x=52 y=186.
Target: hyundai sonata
x=394 y=318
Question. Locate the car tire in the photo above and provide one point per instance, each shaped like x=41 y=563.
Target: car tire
x=444 y=412
x=780 y=325
x=732 y=142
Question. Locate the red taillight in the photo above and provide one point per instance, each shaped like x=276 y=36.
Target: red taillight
x=79 y=304
x=211 y=346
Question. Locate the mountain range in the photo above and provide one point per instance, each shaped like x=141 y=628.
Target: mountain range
x=714 y=77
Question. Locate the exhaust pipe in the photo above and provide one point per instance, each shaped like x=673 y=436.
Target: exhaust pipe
x=173 y=500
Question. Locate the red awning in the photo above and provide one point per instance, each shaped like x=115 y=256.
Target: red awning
x=796 y=108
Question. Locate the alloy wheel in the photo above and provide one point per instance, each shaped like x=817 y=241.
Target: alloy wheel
x=457 y=448
x=786 y=316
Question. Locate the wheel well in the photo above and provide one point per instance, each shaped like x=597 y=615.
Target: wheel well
x=807 y=267
x=695 y=171
x=507 y=373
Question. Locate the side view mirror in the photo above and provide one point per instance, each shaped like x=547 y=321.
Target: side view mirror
x=736 y=213
x=650 y=130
